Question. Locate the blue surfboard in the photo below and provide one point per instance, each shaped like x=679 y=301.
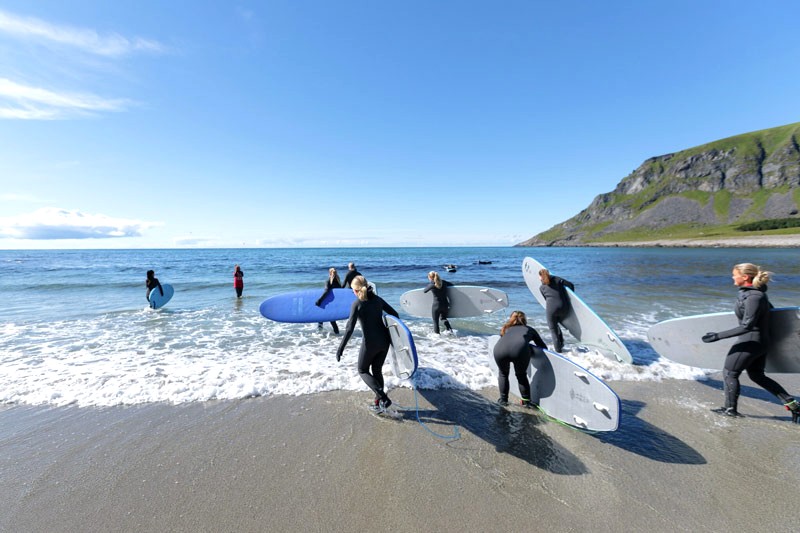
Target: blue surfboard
x=157 y=300
x=403 y=355
x=300 y=306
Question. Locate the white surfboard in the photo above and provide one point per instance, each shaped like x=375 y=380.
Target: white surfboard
x=581 y=321
x=680 y=340
x=465 y=301
x=403 y=353
x=566 y=391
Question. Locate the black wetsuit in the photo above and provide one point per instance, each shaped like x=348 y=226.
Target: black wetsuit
x=152 y=284
x=328 y=287
x=375 y=343
x=750 y=351
x=555 y=296
x=348 y=279
x=514 y=347
x=441 y=305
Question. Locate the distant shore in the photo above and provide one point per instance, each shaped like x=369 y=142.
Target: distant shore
x=755 y=241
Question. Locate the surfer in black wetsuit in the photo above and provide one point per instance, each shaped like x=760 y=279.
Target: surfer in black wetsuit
x=555 y=296
x=441 y=304
x=151 y=283
x=368 y=311
x=514 y=348
x=750 y=351
x=332 y=283
x=351 y=273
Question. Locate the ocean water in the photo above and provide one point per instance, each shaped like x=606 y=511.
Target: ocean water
x=75 y=327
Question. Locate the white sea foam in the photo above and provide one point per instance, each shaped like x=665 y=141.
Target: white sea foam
x=185 y=356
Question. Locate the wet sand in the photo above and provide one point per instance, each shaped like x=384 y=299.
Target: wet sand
x=325 y=463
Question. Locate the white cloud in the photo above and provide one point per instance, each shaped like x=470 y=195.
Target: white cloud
x=53 y=223
x=111 y=45
x=34 y=103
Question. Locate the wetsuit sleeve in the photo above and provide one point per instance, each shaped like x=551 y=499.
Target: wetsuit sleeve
x=324 y=294
x=568 y=284
x=749 y=321
x=348 y=331
x=536 y=338
x=429 y=287
x=389 y=309
x=160 y=289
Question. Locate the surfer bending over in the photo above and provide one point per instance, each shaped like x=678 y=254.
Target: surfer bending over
x=151 y=283
x=514 y=347
x=557 y=307
x=332 y=283
x=750 y=351
x=368 y=311
x=441 y=304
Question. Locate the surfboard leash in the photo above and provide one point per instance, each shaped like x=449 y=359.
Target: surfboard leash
x=456 y=433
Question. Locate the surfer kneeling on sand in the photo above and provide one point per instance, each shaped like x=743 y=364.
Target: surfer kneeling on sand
x=557 y=307
x=750 y=351
x=514 y=348
x=151 y=283
x=368 y=311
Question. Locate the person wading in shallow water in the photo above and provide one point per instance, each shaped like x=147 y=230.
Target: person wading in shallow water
x=750 y=351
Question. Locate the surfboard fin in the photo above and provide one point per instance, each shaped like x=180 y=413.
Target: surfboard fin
x=582 y=375
x=580 y=421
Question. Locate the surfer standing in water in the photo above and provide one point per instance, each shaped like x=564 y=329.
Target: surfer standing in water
x=441 y=304
x=555 y=295
x=351 y=274
x=368 y=311
x=750 y=351
x=514 y=348
x=238 y=280
x=151 y=283
x=333 y=282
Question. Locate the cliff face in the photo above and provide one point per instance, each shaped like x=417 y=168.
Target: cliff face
x=740 y=179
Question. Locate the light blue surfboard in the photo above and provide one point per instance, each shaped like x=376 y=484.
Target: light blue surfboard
x=680 y=340
x=566 y=391
x=157 y=300
x=403 y=354
x=581 y=321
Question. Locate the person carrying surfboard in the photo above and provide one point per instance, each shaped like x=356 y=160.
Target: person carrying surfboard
x=751 y=349
x=441 y=303
x=332 y=283
x=553 y=290
x=514 y=347
x=151 y=283
x=368 y=311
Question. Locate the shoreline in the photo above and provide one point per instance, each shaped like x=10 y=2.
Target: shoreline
x=322 y=462
x=756 y=241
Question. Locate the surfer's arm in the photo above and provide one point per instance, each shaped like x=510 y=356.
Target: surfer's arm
x=324 y=294
x=537 y=339
x=389 y=309
x=568 y=284
x=348 y=331
x=429 y=287
x=749 y=320
x=160 y=289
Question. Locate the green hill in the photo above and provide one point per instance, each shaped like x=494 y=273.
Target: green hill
x=713 y=190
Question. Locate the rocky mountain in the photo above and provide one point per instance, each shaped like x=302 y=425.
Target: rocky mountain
x=746 y=178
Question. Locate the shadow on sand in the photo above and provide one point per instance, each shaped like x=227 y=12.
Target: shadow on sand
x=642 y=438
x=510 y=431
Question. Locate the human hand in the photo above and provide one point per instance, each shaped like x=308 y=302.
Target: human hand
x=710 y=337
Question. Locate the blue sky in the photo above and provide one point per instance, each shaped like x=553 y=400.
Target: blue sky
x=131 y=124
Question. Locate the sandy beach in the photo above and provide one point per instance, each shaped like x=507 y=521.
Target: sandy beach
x=323 y=462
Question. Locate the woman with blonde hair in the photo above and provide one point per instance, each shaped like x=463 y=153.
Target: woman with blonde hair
x=750 y=351
x=441 y=303
x=557 y=304
x=514 y=347
x=333 y=282
x=368 y=311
